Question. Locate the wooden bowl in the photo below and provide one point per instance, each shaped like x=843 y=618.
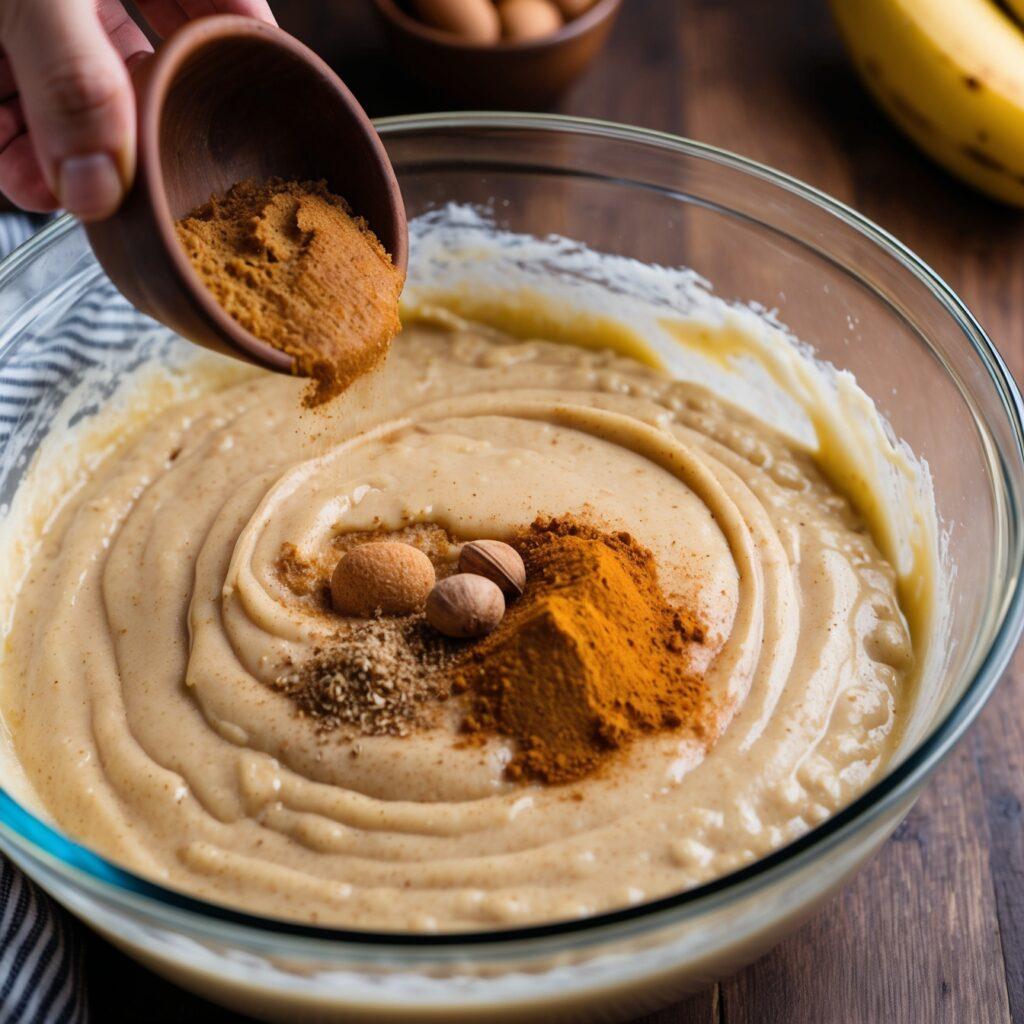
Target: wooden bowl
x=523 y=74
x=224 y=99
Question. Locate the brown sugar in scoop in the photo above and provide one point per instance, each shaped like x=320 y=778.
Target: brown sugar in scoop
x=291 y=264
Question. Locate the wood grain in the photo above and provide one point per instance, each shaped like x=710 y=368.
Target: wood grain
x=933 y=930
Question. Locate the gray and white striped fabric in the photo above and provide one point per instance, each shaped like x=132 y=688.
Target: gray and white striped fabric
x=41 y=973
x=41 y=979
x=16 y=227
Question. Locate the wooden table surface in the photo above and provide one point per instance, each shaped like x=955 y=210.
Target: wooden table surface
x=933 y=929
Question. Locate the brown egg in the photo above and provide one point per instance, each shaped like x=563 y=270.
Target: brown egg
x=474 y=20
x=573 y=8
x=528 y=19
x=382 y=576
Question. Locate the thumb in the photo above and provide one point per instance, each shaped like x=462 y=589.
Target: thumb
x=77 y=101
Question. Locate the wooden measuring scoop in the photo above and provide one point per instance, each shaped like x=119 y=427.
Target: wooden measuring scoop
x=227 y=98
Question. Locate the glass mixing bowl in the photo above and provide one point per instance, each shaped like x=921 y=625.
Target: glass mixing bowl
x=865 y=303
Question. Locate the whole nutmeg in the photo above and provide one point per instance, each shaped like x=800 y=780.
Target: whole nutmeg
x=382 y=576
x=496 y=561
x=465 y=605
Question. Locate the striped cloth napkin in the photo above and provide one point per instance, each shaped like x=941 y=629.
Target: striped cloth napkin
x=41 y=971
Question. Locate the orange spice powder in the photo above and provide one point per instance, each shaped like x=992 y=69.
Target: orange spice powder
x=588 y=660
x=291 y=263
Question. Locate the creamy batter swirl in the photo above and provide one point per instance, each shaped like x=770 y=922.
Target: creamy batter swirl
x=147 y=638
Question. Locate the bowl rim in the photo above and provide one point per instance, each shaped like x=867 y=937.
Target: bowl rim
x=39 y=843
x=586 y=22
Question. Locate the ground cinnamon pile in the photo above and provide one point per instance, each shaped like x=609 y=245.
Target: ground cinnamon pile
x=589 y=659
x=290 y=262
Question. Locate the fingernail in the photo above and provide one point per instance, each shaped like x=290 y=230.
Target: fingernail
x=89 y=186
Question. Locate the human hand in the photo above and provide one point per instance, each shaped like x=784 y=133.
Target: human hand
x=67 y=111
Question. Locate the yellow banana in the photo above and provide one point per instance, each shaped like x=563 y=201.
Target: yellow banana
x=1016 y=9
x=950 y=73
